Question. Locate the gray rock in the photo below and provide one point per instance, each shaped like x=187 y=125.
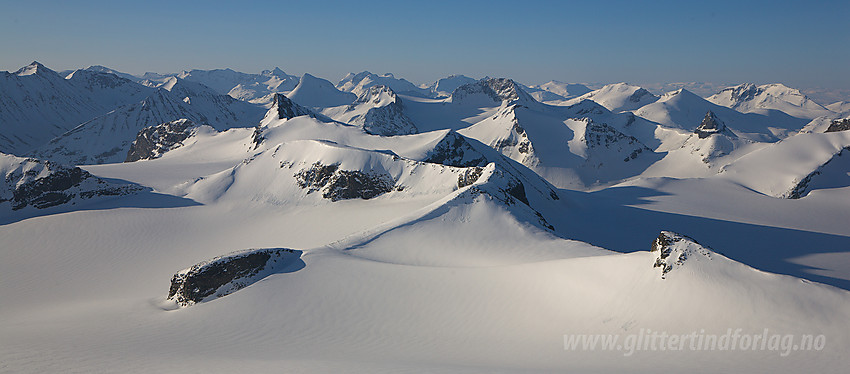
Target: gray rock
x=839 y=125
x=151 y=142
x=337 y=184
x=227 y=274
x=710 y=125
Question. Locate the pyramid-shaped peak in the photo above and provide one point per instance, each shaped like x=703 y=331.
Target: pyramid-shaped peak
x=274 y=72
x=710 y=125
x=377 y=93
x=34 y=68
x=285 y=108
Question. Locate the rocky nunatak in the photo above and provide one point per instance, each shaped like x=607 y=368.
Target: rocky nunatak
x=226 y=274
x=674 y=249
x=43 y=184
x=337 y=184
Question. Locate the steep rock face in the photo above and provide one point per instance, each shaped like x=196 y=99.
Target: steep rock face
x=286 y=109
x=675 y=249
x=711 y=125
x=490 y=91
x=43 y=184
x=386 y=117
x=839 y=125
x=601 y=135
x=454 y=150
x=336 y=184
x=153 y=141
x=226 y=274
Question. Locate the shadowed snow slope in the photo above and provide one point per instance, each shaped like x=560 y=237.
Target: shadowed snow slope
x=107 y=138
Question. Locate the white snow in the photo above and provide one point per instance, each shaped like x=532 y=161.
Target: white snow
x=473 y=244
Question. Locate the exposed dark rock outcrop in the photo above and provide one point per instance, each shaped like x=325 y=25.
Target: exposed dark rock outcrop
x=469 y=176
x=839 y=125
x=43 y=184
x=710 y=125
x=802 y=188
x=337 y=184
x=674 y=249
x=287 y=109
x=153 y=141
x=496 y=89
x=602 y=135
x=227 y=274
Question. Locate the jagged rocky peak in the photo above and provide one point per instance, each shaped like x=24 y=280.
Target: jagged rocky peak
x=675 y=249
x=743 y=92
x=337 y=184
x=839 y=125
x=497 y=90
x=153 y=141
x=287 y=109
x=29 y=182
x=379 y=95
x=710 y=125
x=384 y=114
x=226 y=274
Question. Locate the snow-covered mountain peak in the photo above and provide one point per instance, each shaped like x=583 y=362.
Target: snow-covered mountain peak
x=99 y=79
x=750 y=98
x=619 y=97
x=274 y=72
x=316 y=92
x=565 y=89
x=360 y=82
x=491 y=91
x=378 y=95
x=34 y=68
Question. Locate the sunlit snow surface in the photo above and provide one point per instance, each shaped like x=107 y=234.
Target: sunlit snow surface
x=453 y=267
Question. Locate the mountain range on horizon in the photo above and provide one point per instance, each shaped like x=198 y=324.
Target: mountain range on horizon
x=213 y=220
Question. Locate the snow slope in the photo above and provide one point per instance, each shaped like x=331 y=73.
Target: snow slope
x=683 y=109
x=316 y=92
x=445 y=86
x=304 y=240
x=618 y=97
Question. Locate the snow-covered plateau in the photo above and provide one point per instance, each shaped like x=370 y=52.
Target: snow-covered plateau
x=219 y=221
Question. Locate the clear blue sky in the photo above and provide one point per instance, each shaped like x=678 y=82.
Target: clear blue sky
x=801 y=43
